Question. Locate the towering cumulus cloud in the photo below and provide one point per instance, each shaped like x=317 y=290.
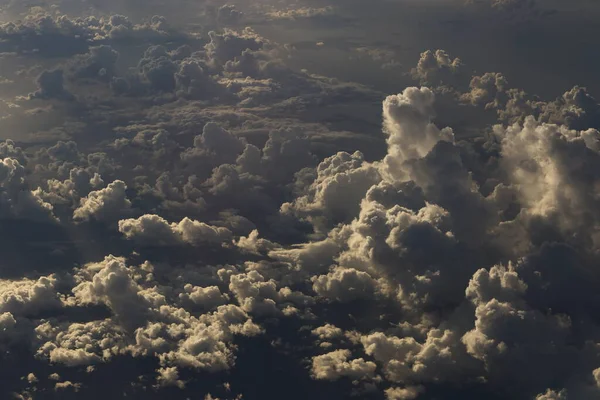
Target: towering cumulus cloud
x=201 y=200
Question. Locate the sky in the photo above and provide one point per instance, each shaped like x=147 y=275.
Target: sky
x=299 y=199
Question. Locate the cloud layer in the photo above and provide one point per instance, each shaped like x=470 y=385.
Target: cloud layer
x=187 y=209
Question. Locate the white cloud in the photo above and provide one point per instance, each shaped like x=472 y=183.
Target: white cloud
x=345 y=284
x=108 y=204
x=411 y=134
x=169 y=376
x=29 y=297
x=334 y=196
x=406 y=393
x=154 y=230
x=327 y=332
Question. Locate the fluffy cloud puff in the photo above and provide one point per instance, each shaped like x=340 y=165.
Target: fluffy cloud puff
x=29 y=297
x=437 y=68
x=154 y=230
x=106 y=204
x=538 y=156
x=142 y=323
x=334 y=196
x=407 y=120
x=16 y=200
x=334 y=365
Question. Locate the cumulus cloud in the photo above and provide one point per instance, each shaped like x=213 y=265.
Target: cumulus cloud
x=486 y=90
x=253 y=243
x=169 y=376
x=437 y=68
x=29 y=297
x=98 y=63
x=154 y=230
x=51 y=86
x=7 y=326
x=552 y=395
x=215 y=198
x=407 y=393
x=334 y=365
x=334 y=196
x=142 y=322
x=226 y=46
x=407 y=120
x=112 y=285
x=205 y=297
x=16 y=200
x=406 y=360
x=576 y=108
x=547 y=183
x=345 y=285
x=302 y=12
x=228 y=14
x=67 y=385
x=327 y=332
x=106 y=204
x=214 y=147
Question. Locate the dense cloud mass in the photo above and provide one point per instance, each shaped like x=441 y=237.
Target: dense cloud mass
x=289 y=200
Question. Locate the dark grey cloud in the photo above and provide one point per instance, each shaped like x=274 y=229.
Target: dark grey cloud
x=51 y=85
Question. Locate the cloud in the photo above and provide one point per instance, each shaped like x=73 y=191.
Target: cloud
x=552 y=395
x=156 y=231
x=7 y=326
x=158 y=69
x=228 y=14
x=50 y=36
x=226 y=46
x=345 y=285
x=169 y=376
x=327 y=332
x=407 y=120
x=113 y=286
x=406 y=360
x=51 y=86
x=300 y=13
x=254 y=244
x=80 y=183
x=341 y=182
x=334 y=365
x=486 y=89
x=576 y=108
x=407 y=393
x=98 y=63
x=314 y=256
x=205 y=297
x=16 y=200
x=106 y=204
x=67 y=385
x=536 y=157
x=29 y=297
x=437 y=68
x=213 y=148
x=140 y=317
x=220 y=205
